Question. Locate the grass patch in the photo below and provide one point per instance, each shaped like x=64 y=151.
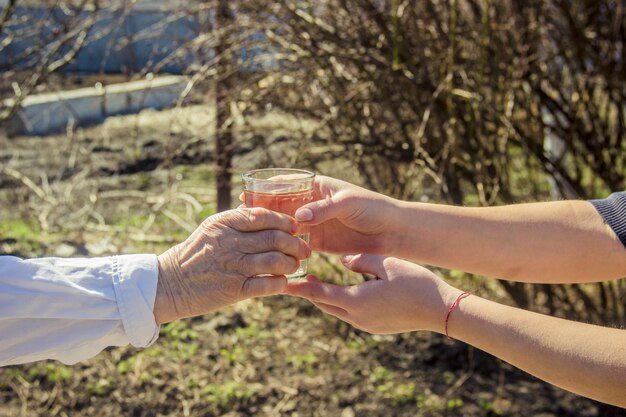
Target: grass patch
x=234 y=355
x=101 y=387
x=179 y=331
x=52 y=372
x=252 y=332
x=19 y=229
x=398 y=394
x=303 y=360
x=224 y=394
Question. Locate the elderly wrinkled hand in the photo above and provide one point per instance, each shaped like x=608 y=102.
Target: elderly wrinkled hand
x=220 y=263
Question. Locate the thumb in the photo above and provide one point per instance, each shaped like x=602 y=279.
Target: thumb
x=366 y=264
x=263 y=286
x=319 y=211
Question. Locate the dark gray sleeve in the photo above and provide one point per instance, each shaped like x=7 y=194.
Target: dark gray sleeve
x=613 y=211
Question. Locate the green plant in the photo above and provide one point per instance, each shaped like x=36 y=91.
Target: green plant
x=103 y=386
x=18 y=229
x=51 y=371
x=253 y=331
x=192 y=384
x=226 y=393
x=399 y=394
x=300 y=360
x=184 y=350
x=486 y=403
x=14 y=373
x=125 y=365
x=454 y=403
x=448 y=377
x=145 y=377
x=236 y=354
x=179 y=330
x=431 y=402
x=356 y=345
x=303 y=361
x=380 y=374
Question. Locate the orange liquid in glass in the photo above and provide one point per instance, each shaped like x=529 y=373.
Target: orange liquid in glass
x=283 y=203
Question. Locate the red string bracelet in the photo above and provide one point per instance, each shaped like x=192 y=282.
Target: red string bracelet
x=454 y=304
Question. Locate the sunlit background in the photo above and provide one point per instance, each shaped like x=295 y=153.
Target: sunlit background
x=125 y=124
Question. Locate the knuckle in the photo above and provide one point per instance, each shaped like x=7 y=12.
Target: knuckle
x=257 y=213
x=208 y=228
x=282 y=263
x=252 y=215
x=259 y=217
x=271 y=239
x=209 y=222
x=269 y=262
x=244 y=265
x=265 y=263
x=224 y=218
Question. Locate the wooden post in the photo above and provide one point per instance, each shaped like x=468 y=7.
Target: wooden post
x=225 y=81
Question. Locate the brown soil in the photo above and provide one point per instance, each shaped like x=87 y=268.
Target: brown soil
x=269 y=357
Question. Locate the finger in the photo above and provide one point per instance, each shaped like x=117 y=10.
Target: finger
x=257 y=218
x=263 y=286
x=338 y=312
x=241 y=197
x=319 y=211
x=328 y=204
x=366 y=264
x=274 y=240
x=320 y=292
x=274 y=263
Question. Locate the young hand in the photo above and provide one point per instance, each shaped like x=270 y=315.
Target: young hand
x=345 y=218
x=404 y=297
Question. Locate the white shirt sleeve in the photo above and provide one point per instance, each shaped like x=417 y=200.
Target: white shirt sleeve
x=71 y=309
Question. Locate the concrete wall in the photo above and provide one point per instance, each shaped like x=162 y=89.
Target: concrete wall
x=142 y=37
x=52 y=112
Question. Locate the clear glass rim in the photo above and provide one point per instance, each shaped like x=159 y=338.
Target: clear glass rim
x=249 y=175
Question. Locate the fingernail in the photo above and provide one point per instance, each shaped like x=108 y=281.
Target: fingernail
x=347 y=258
x=304 y=215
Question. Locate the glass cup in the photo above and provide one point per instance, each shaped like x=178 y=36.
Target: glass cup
x=283 y=190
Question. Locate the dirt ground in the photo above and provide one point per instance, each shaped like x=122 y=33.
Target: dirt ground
x=140 y=184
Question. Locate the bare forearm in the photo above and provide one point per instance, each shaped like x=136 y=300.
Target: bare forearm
x=585 y=359
x=565 y=241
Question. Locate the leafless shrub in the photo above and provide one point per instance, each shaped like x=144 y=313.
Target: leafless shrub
x=463 y=101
